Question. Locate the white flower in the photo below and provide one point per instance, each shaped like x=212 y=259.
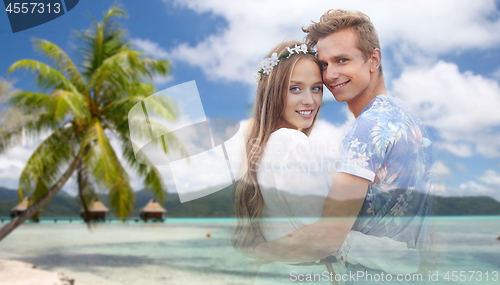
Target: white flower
x=266 y=65
x=401 y=198
x=350 y=154
x=274 y=59
x=408 y=192
x=263 y=63
x=355 y=143
x=370 y=210
x=394 y=211
x=362 y=159
x=258 y=76
x=369 y=197
x=403 y=209
x=303 y=48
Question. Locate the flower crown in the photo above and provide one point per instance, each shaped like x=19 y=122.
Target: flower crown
x=268 y=63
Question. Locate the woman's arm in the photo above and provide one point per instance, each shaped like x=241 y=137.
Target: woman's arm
x=324 y=237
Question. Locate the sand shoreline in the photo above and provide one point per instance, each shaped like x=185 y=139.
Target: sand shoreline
x=21 y=273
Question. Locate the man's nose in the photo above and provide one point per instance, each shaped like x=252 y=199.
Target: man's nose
x=330 y=73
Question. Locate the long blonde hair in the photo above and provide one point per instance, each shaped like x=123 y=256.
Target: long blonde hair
x=267 y=116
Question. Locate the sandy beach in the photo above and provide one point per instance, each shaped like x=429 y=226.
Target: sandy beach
x=22 y=273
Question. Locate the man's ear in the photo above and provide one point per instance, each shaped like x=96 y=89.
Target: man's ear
x=375 y=60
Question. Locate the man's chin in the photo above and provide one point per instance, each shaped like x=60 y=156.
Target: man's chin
x=339 y=98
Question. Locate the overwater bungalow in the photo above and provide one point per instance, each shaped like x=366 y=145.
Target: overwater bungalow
x=20 y=208
x=97 y=211
x=153 y=210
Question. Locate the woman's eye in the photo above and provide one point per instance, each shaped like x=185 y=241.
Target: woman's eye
x=317 y=88
x=295 y=89
x=324 y=65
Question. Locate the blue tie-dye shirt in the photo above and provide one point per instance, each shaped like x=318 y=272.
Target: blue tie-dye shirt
x=388 y=146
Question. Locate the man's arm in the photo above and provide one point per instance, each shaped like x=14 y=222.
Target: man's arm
x=323 y=238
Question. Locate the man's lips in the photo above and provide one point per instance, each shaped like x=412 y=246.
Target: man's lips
x=305 y=113
x=338 y=86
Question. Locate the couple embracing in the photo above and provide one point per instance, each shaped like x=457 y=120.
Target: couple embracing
x=375 y=217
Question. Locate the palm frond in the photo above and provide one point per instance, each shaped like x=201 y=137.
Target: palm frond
x=44 y=165
x=103 y=41
x=16 y=126
x=62 y=102
x=63 y=62
x=117 y=71
x=114 y=11
x=86 y=186
x=152 y=179
x=28 y=102
x=46 y=77
x=162 y=107
x=121 y=197
x=107 y=170
x=156 y=67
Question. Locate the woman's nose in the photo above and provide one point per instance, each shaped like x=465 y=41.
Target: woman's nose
x=307 y=99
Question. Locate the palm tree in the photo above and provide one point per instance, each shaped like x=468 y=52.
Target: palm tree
x=81 y=110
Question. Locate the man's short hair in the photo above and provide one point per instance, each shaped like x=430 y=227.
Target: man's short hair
x=335 y=20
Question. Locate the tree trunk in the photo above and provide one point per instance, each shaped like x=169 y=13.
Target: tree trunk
x=86 y=214
x=8 y=228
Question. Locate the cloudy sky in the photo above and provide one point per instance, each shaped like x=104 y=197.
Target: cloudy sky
x=442 y=57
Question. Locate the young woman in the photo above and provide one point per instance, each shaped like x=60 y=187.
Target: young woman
x=283 y=189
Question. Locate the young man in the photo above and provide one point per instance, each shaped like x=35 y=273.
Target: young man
x=386 y=177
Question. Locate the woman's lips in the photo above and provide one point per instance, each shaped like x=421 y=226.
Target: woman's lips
x=305 y=113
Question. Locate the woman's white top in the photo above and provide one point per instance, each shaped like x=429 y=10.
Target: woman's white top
x=294 y=188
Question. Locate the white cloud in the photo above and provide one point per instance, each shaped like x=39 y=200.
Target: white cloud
x=463 y=107
x=469 y=188
x=442 y=169
x=414 y=30
x=151 y=48
x=159 y=80
x=472 y=188
x=488 y=185
x=491 y=177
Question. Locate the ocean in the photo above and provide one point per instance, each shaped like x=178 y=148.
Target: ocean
x=178 y=251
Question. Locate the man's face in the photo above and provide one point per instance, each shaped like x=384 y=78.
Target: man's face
x=345 y=71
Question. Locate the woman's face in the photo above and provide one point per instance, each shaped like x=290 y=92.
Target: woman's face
x=304 y=95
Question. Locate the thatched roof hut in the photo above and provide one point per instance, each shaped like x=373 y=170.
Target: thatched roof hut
x=97 y=210
x=97 y=206
x=152 y=210
x=21 y=207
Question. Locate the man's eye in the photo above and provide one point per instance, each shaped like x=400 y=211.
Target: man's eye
x=295 y=89
x=343 y=60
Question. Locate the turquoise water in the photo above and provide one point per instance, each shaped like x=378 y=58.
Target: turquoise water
x=178 y=251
